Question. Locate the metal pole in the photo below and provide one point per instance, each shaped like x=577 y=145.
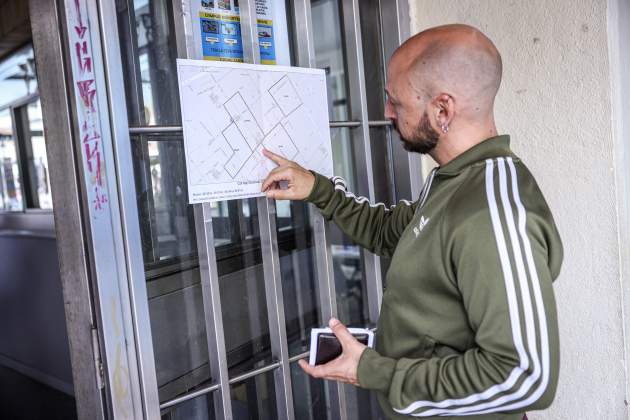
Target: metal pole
x=212 y=309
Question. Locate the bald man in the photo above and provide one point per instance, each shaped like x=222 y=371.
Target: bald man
x=468 y=321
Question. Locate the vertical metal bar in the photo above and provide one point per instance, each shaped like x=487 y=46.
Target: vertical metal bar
x=269 y=245
x=212 y=308
x=323 y=256
x=24 y=150
x=275 y=306
x=102 y=206
x=123 y=161
x=358 y=105
x=213 y=315
x=71 y=230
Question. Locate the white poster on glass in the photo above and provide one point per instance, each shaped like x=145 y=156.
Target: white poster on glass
x=231 y=111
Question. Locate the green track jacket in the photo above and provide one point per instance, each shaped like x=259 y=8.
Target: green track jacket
x=468 y=322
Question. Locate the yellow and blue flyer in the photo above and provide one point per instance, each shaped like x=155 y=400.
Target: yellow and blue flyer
x=220 y=24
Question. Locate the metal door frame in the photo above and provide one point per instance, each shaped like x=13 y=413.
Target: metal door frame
x=100 y=251
x=95 y=235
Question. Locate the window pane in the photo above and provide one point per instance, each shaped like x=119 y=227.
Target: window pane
x=309 y=395
x=10 y=181
x=17 y=76
x=173 y=279
x=178 y=330
x=146 y=29
x=254 y=398
x=200 y=408
x=242 y=289
x=36 y=157
x=167 y=221
x=297 y=265
x=347 y=256
x=343 y=164
x=373 y=58
x=330 y=55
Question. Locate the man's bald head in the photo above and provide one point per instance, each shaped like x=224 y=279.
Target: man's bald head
x=457 y=60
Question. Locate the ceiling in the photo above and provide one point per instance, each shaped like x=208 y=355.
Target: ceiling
x=15 y=25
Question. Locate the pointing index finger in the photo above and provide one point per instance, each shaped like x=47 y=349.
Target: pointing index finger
x=279 y=160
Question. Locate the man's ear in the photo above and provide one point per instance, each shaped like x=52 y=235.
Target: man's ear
x=444 y=109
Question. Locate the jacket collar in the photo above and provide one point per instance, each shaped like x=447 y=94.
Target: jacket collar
x=490 y=148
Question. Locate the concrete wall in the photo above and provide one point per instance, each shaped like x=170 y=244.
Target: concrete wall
x=559 y=101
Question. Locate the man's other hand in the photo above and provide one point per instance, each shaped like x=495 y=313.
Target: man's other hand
x=343 y=368
x=299 y=180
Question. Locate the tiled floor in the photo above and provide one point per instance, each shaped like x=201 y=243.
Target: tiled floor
x=22 y=398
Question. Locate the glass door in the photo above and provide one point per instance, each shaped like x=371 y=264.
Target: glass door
x=234 y=287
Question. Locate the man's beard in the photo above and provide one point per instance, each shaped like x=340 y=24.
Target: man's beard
x=424 y=137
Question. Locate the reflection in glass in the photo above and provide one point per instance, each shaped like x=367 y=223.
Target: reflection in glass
x=35 y=148
x=200 y=408
x=17 y=76
x=330 y=55
x=167 y=221
x=343 y=165
x=297 y=265
x=173 y=279
x=242 y=289
x=178 y=331
x=254 y=398
x=309 y=395
x=151 y=78
x=10 y=181
x=346 y=255
x=384 y=178
x=370 y=20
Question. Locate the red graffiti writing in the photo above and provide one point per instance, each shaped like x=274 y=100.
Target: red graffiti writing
x=85 y=61
x=80 y=27
x=88 y=112
x=87 y=92
x=100 y=199
x=93 y=155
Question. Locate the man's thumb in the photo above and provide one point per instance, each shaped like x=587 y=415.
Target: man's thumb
x=340 y=331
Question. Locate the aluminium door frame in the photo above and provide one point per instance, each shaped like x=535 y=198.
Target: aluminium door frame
x=78 y=234
x=96 y=240
x=67 y=202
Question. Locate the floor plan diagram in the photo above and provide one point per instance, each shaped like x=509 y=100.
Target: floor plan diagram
x=231 y=111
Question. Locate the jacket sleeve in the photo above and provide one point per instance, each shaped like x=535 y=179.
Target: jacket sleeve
x=498 y=257
x=374 y=227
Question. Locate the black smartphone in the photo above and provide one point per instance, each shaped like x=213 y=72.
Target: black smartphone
x=326 y=347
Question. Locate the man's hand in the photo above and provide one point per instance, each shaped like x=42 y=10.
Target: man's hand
x=300 y=181
x=343 y=368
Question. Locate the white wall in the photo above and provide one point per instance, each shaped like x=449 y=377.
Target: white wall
x=557 y=103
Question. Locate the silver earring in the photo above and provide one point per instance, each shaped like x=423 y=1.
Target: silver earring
x=444 y=128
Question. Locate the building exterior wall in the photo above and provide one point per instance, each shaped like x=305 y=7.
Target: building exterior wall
x=559 y=103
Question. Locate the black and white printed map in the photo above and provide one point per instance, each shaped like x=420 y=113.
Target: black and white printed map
x=231 y=111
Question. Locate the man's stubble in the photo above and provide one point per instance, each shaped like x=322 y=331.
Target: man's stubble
x=424 y=137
